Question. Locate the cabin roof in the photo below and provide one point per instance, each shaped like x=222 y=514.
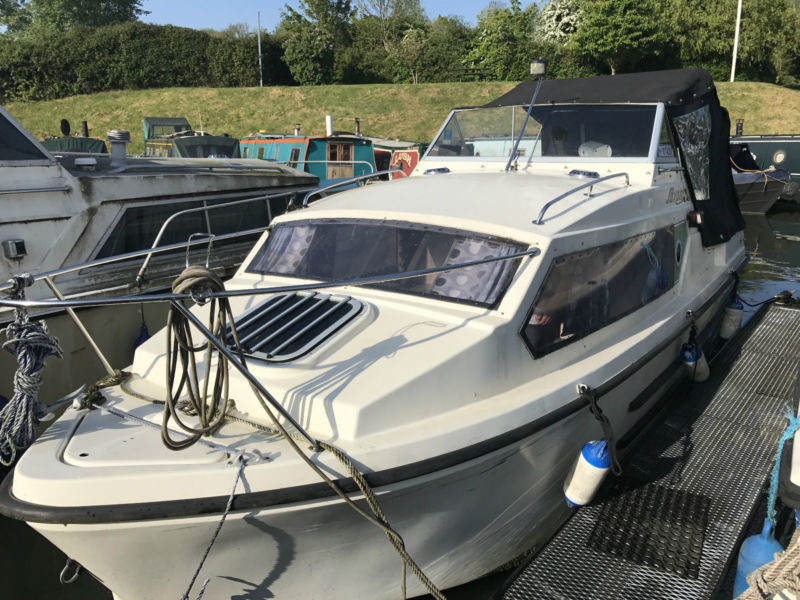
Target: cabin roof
x=674 y=87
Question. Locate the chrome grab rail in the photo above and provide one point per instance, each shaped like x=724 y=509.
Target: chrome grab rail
x=205 y=208
x=322 y=190
x=589 y=184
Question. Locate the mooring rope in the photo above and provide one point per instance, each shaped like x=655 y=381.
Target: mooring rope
x=210 y=412
x=232 y=495
x=31 y=343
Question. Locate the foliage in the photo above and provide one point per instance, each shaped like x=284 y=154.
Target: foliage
x=558 y=21
x=130 y=56
x=768 y=44
x=40 y=18
x=502 y=48
x=620 y=33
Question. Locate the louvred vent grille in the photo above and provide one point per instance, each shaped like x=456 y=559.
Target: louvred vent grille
x=286 y=326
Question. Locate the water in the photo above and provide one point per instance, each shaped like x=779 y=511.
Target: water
x=30 y=566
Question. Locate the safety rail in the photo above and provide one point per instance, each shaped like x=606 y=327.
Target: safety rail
x=350 y=181
x=10 y=284
x=205 y=208
x=334 y=163
x=150 y=298
x=590 y=184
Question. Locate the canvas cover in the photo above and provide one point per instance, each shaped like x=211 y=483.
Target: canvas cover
x=700 y=126
x=76 y=144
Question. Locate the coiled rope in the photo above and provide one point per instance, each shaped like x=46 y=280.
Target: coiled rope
x=31 y=343
x=209 y=410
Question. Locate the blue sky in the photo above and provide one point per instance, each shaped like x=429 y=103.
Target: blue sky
x=218 y=14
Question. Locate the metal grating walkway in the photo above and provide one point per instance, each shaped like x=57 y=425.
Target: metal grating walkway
x=670 y=525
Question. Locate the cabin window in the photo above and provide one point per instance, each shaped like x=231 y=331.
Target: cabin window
x=138 y=226
x=587 y=290
x=14 y=145
x=245 y=150
x=261 y=152
x=340 y=250
x=294 y=157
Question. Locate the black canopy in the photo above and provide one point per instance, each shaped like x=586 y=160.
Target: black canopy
x=676 y=87
x=699 y=124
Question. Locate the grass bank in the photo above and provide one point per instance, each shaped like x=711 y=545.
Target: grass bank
x=411 y=112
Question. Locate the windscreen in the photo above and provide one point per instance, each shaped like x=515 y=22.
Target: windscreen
x=573 y=131
x=340 y=250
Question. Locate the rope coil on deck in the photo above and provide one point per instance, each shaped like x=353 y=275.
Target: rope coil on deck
x=210 y=412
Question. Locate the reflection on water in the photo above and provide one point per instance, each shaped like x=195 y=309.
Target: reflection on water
x=773 y=245
x=29 y=565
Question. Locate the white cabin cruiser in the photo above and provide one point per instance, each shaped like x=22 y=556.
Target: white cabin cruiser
x=62 y=209
x=454 y=334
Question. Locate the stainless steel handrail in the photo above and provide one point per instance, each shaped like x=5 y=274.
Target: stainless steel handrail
x=205 y=208
x=87 y=302
x=322 y=190
x=136 y=254
x=589 y=184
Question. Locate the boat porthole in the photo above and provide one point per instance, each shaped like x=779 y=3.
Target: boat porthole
x=678 y=252
x=778 y=157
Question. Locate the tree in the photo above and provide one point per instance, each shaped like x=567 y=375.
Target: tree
x=313 y=36
x=503 y=45
x=558 y=21
x=410 y=51
x=449 y=41
x=41 y=18
x=621 y=33
x=703 y=36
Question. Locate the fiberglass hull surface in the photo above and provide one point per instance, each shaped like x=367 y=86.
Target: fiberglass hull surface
x=458 y=523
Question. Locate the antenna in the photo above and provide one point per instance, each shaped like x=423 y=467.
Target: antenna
x=538 y=69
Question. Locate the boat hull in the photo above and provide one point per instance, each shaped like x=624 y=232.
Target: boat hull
x=459 y=522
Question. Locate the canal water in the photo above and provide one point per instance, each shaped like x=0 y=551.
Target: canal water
x=30 y=566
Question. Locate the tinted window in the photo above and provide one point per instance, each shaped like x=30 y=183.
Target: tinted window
x=588 y=290
x=14 y=145
x=335 y=250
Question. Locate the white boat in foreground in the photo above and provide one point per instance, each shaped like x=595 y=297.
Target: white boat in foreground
x=462 y=393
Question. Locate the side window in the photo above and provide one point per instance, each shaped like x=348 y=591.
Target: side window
x=294 y=156
x=587 y=290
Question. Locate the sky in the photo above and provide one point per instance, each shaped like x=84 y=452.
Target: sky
x=219 y=14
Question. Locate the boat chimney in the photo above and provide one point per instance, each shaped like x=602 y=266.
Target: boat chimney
x=328 y=125
x=84 y=129
x=119 y=140
x=739 y=127
x=297 y=129
x=358 y=127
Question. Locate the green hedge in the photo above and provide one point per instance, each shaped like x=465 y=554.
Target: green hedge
x=133 y=56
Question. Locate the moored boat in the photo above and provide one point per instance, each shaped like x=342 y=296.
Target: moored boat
x=456 y=337
x=70 y=208
x=758 y=189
